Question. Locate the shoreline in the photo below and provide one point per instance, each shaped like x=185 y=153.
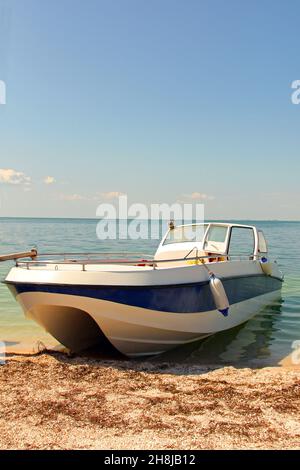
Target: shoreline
x=61 y=402
x=37 y=347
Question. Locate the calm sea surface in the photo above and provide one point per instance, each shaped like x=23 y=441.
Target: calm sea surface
x=265 y=340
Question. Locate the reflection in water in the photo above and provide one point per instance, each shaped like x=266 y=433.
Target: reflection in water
x=248 y=344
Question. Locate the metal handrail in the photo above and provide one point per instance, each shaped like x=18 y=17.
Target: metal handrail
x=86 y=253
x=151 y=262
x=191 y=251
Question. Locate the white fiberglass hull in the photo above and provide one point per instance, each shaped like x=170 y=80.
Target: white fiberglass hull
x=140 y=311
x=133 y=331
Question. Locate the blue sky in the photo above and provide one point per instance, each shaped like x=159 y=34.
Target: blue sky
x=160 y=100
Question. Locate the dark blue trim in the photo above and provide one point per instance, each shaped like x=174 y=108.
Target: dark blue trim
x=184 y=298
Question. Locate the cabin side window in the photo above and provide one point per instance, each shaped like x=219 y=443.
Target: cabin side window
x=241 y=242
x=262 y=243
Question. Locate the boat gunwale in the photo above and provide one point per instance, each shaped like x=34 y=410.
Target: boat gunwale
x=137 y=286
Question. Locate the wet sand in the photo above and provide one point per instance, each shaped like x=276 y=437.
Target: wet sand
x=51 y=401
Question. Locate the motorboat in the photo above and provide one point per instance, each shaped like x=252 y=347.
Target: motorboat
x=203 y=279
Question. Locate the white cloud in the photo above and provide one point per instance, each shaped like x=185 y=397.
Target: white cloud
x=111 y=195
x=79 y=197
x=49 y=180
x=195 y=196
x=10 y=176
x=73 y=197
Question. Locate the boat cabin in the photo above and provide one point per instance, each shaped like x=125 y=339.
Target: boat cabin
x=212 y=242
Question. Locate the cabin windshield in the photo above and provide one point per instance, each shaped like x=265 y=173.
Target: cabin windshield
x=186 y=233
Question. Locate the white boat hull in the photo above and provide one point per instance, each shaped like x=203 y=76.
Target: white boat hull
x=145 y=315
x=133 y=331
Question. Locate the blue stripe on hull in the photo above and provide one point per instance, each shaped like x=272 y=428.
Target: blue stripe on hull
x=176 y=298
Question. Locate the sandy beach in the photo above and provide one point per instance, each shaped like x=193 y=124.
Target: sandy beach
x=51 y=401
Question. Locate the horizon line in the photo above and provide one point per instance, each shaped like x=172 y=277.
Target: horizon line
x=97 y=218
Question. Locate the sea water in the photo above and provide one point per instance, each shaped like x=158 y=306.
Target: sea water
x=266 y=339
